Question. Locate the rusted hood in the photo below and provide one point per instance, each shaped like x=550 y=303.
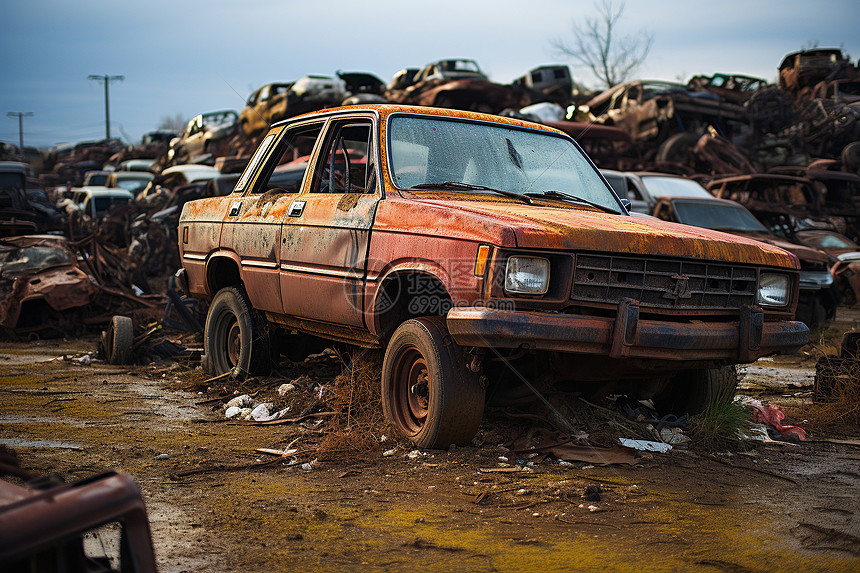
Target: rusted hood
x=61 y=288
x=802 y=252
x=541 y=227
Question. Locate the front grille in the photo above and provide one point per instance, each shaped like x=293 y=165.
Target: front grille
x=663 y=283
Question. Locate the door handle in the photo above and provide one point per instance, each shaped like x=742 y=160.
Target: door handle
x=296 y=208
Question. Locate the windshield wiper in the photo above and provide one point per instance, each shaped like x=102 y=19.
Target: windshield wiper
x=470 y=187
x=552 y=194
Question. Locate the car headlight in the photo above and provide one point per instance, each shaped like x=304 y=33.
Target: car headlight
x=773 y=289
x=849 y=257
x=527 y=275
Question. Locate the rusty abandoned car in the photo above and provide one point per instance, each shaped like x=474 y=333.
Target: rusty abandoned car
x=98 y=524
x=478 y=252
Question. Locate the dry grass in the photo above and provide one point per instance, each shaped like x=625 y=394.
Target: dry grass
x=722 y=424
x=837 y=392
x=355 y=429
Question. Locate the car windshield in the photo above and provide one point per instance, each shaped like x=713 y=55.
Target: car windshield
x=427 y=151
x=103 y=204
x=658 y=186
x=829 y=242
x=133 y=185
x=716 y=216
x=11 y=181
x=15 y=262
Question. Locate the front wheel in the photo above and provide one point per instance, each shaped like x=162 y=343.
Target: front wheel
x=236 y=338
x=428 y=394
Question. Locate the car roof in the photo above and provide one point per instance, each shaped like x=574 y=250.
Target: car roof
x=14 y=167
x=101 y=191
x=385 y=110
x=192 y=171
x=133 y=175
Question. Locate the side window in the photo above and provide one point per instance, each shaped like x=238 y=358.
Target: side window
x=633 y=193
x=632 y=96
x=293 y=153
x=345 y=165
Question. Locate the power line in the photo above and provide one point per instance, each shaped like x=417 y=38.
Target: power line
x=20 y=115
x=107 y=80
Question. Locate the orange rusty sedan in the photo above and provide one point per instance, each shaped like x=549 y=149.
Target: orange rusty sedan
x=485 y=256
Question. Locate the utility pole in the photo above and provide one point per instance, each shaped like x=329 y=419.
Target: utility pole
x=107 y=80
x=20 y=115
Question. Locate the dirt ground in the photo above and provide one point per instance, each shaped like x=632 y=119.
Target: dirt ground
x=217 y=504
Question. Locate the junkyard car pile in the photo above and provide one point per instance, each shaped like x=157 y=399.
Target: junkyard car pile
x=787 y=153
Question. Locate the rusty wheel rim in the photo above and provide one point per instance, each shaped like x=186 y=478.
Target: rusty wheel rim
x=411 y=400
x=234 y=342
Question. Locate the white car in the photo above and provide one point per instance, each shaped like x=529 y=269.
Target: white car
x=94 y=201
x=644 y=189
x=177 y=176
x=133 y=181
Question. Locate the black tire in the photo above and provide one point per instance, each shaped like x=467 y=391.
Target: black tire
x=851 y=157
x=690 y=391
x=236 y=337
x=119 y=339
x=428 y=393
x=678 y=149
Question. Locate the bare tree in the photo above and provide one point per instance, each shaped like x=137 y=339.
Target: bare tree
x=612 y=60
x=175 y=123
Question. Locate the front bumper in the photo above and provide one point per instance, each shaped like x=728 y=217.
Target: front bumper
x=626 y=335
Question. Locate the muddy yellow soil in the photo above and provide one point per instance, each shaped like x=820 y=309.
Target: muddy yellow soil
x=213 y=506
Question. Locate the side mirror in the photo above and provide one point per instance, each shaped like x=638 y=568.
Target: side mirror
x=627 y=204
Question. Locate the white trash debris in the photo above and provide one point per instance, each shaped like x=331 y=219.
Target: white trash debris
x=284 y=388
x=390 y=452
x=645 y=445
x=243 y=401
x=674 y=436
x=234 y=411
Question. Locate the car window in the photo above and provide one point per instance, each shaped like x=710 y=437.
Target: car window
x=343 y=165
x=255 y=161
x=829 y=242
x=102 y=204
x=716 y=216
x=285 y=174
x=11 y=181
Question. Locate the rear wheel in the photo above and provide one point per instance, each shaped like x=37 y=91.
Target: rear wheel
x=690 y=391
x=428 y=394
x=236 y=337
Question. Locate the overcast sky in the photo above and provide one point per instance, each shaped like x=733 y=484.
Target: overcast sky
x=191 y=56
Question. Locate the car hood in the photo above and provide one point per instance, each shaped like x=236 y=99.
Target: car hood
x=510 y=224
x=804 y=253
